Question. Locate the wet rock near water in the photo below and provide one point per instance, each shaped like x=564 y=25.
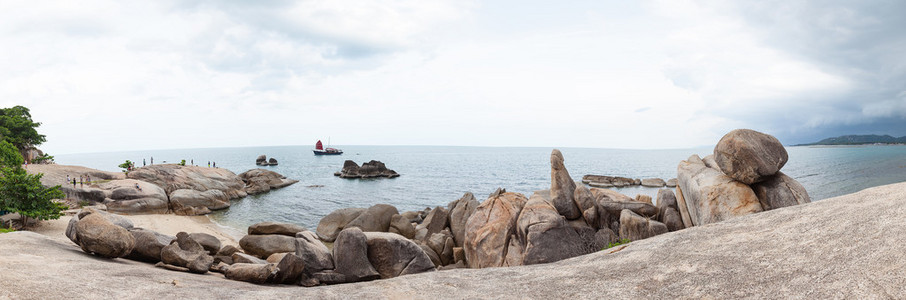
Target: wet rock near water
x=263 y=161
x=371 y=169
x=261 y=181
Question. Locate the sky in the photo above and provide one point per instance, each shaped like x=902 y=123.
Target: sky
x=107 y=76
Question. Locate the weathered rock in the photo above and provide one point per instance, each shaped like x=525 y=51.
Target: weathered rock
x=436 y=221
x=186 y=252
x=442 y=244
x=709 y=162
x=585 y=201
x=254 y=273
x=228 y=250
x=635 y=227
x=330 y=277
x=275 y=258
x=435 y=258
x=188 y=198
x=260 y=180
x=116 y=219
x=668 y=211
x=683 y=208
x=671 y=183
x=562 y=188
x=604 y=237
x=369 y=169
x=616 y=208
x=272 y=161
x=546 y=235
x=779 y=191
x=314 y=253
x=331 y=225
x=376 y=218
x=242 y=258
x=460 y=211
x=207 y=241
x=643 y=198
x=393 y=255
x=609 y=195
x=350 y=254
x=653 y=182
x=148 y=245
x=71 y=231
x=261 y=160
x=100 y=237
x=749 y=156
x=289 y=269
x=458 y=254
x=711 y=196
x=275 y=228
x=225 y=254
x=147 y=198
x=412 y=216
x=489 y=229
x=264 y=245
x=402 y=226
x=172 y=177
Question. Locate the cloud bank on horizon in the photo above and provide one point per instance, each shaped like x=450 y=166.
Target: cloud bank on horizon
x=107 y=75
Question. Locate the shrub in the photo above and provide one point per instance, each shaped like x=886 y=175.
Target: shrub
x=182 y=163
x=617 y=243
x=126 y=166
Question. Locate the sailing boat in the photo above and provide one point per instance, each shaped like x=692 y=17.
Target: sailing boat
x=320 y=150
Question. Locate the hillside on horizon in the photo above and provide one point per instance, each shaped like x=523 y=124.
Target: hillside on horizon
x=859 y=140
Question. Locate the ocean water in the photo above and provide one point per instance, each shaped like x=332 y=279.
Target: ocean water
x=435 y=175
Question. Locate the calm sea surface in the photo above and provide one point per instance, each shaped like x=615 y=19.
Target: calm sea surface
x=435 y=175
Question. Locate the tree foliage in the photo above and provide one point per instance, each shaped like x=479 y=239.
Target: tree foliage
x=22 y=192
x=9 y=155
x=126 y=165
x=17 y=127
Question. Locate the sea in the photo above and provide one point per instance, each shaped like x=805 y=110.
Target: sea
x=436 y=175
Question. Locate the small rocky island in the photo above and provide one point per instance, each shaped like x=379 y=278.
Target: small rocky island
x=602 y=181
x=371 y=169
x=263 y=161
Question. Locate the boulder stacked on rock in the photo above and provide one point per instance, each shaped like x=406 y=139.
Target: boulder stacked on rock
x=260 y=181
x=371 y=169
x=742 y=177
x=263 y=161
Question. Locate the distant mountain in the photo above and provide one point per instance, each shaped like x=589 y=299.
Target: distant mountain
x=859 y=140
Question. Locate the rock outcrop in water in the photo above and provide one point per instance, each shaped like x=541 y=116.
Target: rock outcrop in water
x=263 y=161
x=371 y=169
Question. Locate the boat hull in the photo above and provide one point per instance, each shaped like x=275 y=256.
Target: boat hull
x=322 y=152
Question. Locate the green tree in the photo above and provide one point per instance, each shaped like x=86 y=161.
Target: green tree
x=126 y=165
x=17 y=127
x=22 y=192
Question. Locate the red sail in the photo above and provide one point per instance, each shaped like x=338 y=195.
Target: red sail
x=319 y=146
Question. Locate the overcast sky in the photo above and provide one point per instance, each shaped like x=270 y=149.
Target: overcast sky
x=116 y=75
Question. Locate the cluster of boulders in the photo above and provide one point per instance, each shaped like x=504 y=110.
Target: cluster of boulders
x=741 y=177
x=263 y=161
x=371 y=169
x=163 y=188
x=603 y=181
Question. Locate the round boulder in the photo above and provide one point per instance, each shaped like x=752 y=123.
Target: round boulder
x=749 y=156
x=99 y=236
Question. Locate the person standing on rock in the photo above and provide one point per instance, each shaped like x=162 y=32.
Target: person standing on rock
x=80 y=181
x=88 y=179
x=152 y=160
x=143 y=162
x=215 y=164
x=73 y=182
x=192 y=162
x=67 y=178
x=209 y=164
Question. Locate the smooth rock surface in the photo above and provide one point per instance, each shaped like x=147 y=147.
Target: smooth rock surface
x=546 y=235
x=350 y=254
x=711 y=196
x=376 y=218
x=264 y=245
x=331 y=225
x=393 y=255
x=263 y=228
x=779 y=191
x=490 y=228
x=100 y=237
x=460 y=211
x=562 y=188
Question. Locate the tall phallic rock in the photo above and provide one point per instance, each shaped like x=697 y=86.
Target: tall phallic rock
x=490 y=229
x=562 y=188
x=460 y=211
x=711 y=196
x=749 y=156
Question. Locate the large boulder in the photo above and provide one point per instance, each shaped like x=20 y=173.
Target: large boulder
x=261 y=160
x=436 y=221
x=393 y=255
x=172 y=177
x=711 y=196
x=442 y=244
x=460 y=211
x=260 y=180
x=546 y=234
x=635 y=227
x=779 y=191
x=130 y=196
x=490 y=228
x=350 y=254
x=275 y=228
x=586 y=203
x=668 y=211
x=749 y=156
x=207 y=241
x=116 y=219
x=98 y=236
x=254 y=273
x=264 y=245
x=401 y=226
x=314 y=253
x=331 y=225
x=641 y=208
x=375 y=218
x=185 y=201
x=289 y=269
x=148 y=245
x=562 y=188
x=188 y=253
x=653 y=182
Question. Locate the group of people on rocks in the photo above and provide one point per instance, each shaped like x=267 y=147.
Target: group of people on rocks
x=83 y=179
x=191 y=162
